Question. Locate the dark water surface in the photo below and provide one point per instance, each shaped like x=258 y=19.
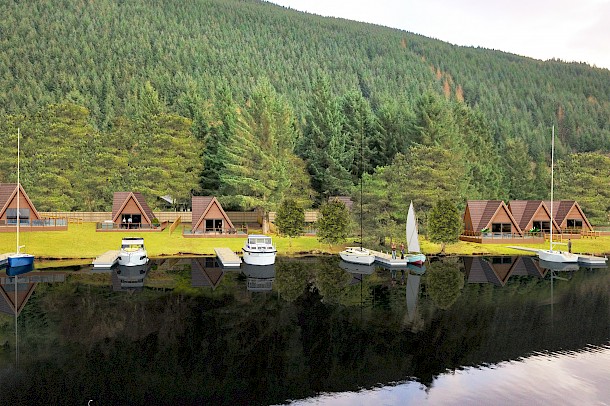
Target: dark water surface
x=487 y=330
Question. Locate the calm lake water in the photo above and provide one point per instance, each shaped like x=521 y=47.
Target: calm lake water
x=486 y=330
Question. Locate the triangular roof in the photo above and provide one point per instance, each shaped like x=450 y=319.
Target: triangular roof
x=201 y=205
x=7 y=293
x=346 y=200
x=8 y=191
x=524 y=211
x=561 y=209
x=482 y=212
x=120 y=200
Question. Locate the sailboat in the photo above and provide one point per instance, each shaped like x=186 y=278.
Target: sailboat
x=19 y=259
x=551 y=255
x=414 y=255
x=359 y=255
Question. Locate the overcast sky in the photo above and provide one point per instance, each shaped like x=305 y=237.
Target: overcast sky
x=570 y=30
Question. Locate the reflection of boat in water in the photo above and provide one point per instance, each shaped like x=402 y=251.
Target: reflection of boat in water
x=412 y=294
x=129 y=277
x=132 y=252
x=558 y=266
x=260 y=277
x=362 y=269
x=18 y=270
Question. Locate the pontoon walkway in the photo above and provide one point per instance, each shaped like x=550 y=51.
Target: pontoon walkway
x=227 y=258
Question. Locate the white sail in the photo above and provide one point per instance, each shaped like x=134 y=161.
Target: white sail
x=412 y=235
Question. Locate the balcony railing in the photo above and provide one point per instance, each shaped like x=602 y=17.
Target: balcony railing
x=59 y=222
x=107 y=225
x=210 y=231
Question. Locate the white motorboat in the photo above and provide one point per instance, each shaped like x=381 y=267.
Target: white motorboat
x=132 y=252
x=357 y=255
x=552 y=255
x=259 y=250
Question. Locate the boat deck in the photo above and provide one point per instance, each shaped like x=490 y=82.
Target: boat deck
x=4 y=258
x=227 y=257
x=106 y=260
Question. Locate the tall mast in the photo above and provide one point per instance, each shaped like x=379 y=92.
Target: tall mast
x=552 y=168
x=18 y=186
x=361 y=175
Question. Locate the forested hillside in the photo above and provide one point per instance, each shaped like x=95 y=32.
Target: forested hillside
x=253 y=102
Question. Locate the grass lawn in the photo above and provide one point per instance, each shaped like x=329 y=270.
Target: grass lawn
x=82 y=241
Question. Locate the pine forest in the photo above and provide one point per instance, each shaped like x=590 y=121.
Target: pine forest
x=254 y=103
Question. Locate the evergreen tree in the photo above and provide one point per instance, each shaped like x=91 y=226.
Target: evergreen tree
x=290 y=218
x=444 y=223
x=325 y=147
x=333 y=224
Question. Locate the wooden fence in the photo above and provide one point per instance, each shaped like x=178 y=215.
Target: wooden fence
x=237 y=217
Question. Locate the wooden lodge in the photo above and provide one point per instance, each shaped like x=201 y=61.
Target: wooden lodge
x=525 y=221
x=210 y=220
x=489 y=221
x=569 y=217
x=346 y=200
x=29 y=218
x=533 y=216
x=130 y=212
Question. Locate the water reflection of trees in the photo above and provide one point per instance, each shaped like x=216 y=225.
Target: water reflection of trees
x=178 y=349
x=291 y=279
x=444 y=282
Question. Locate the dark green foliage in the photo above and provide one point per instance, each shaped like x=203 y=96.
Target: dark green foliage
x=99 y=87
x=444 y=282
x=333 y=224
x=584 y=177
x=444 y=223
x=290 y=218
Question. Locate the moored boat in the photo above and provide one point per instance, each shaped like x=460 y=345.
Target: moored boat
x=132 y=252
x=259 y=250
x=357 y=255
x=414 y=255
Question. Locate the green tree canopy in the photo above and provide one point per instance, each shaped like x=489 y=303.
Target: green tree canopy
x=444 y=223
x=290 y=218
x=333 y=224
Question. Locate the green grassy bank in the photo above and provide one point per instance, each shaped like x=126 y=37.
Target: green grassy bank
x=82 y=241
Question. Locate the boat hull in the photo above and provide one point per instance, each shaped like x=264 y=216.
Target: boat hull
x=557 y=256
x=417 y=259
x=135 y=258
x=259 y=257
x=19 y=260
x=357 y=256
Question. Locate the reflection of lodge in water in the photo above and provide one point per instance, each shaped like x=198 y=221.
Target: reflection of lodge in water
x=26 y=283
x=129 y=278
x=206 y=272
x=497 y=270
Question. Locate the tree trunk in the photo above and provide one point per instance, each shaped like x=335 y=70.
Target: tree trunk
x=443 y=248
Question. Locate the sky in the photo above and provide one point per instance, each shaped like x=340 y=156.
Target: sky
x=569 y=30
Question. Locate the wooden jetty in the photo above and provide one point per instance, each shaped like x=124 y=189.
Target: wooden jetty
x=386 y=259
x=591 y=260
x=4 y=258
x=227 y=258
x=107 y=259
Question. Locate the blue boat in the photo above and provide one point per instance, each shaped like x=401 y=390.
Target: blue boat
x=19 y=269
x=19 y=260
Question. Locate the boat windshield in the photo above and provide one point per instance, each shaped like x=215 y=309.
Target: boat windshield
x=132 y=247
x=266 y=241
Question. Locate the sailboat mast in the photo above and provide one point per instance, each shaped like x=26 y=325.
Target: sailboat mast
x=361 y=175
x=18 y=185
x=552 y=169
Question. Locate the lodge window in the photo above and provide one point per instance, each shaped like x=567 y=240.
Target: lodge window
x=11 y=216
x=213 y=224
x=500 y=227
x=573 y=223
x=501 y=260
x=542 y=225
